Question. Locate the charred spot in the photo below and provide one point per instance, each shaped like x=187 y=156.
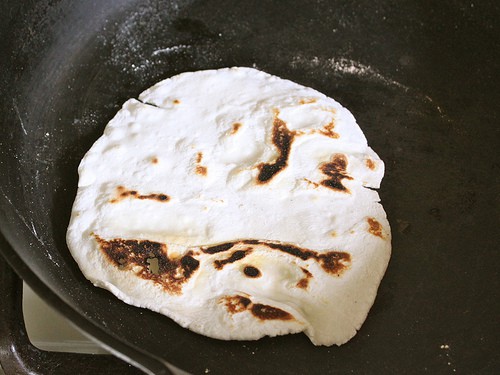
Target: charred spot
x=177 y=101
x=266 y=312
x=251 y=271
x=152 y=259
x=375 y=227
x=293 y=250
x=335 y=262
x=282 y=139
x=370 y=164
x=154 y=160
x=304 y=282
x=336 y=171
x=218 y=248
x=236 y=304
x=156 y=197
x=189 y=265
x=234 y=257
x=306 y=272
x=252 y=242
x=123 y=193
x=236 y=126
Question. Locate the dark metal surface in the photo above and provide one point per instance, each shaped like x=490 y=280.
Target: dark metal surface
x=422 y=82
x=19 y=356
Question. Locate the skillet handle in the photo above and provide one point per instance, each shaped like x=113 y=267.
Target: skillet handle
x=19 y=356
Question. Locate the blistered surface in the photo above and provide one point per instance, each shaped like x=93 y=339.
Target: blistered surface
x=238 y=204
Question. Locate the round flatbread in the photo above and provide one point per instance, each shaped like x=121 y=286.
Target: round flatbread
x=239 y=204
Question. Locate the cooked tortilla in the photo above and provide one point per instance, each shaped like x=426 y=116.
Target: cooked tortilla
x=238 y=204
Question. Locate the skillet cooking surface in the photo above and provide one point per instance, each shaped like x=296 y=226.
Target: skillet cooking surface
x=421 y=83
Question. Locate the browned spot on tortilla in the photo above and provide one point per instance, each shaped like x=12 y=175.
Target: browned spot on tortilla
x=282 y=139
x=154 y=160
x=171 y=274
x=234 y=257
x=218 y=248
x=123 y=193
x=156 y=197
x=336 y=171
x=236 y=304
x=266 y=312
x=315 y=184
x=306 y=272
x=199 y=157
x=177 y=101
x=328 y=130
x=308 y=100
x=201 y=170
x=333 y=233
x=375 y=227
x=333 y=262
x=304 y=282
x=251 y=271
x=236 y=127
x=370 y=164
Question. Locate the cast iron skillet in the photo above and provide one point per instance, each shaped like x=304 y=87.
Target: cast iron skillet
x=422 y=82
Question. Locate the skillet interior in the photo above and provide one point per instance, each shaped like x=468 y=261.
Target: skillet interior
x=420 y=81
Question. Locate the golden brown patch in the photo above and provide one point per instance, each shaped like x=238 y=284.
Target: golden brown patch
x=236 y=127
x=122 y=193
x=304 y=282
x=333 y=233
x=375 y=227
x=153 y=261
x=315 y=184
x=308 y=100
x=370 y=164
x=336 y=172
x=199 y=157
x=177 y=101
x=201 y=170
x=154 y=160
x=328 y=130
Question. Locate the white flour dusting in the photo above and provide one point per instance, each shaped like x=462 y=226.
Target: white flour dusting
x=167 y=50
x=342 y=66
x=345 y=66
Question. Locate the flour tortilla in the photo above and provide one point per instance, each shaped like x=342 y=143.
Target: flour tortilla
x=238 y=204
